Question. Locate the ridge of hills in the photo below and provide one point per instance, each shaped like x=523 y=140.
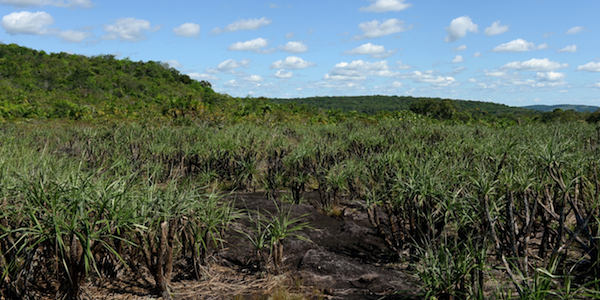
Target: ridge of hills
x=577 y=108
x=377 y=103
x=35 y=84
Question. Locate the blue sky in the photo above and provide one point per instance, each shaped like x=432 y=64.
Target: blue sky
x=519 y=52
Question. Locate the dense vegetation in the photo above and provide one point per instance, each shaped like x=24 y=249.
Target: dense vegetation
x=445 y=109
x=34 y=84
x=455 y=197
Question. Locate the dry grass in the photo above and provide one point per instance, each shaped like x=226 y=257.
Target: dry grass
x=219 y=283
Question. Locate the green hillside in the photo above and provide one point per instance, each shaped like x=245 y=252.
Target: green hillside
x=39 y=85
x=378 y=103
x=578 y=108
x=35 y=84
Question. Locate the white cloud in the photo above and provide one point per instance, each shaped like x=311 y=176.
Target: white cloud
x=72 y=36
x=229 y=65
x=576 y=29
x=459 y=27
x=253 y=78
x=494 y=73
x=477 y=54
x=187 y=30
x=590 y=67
x=542 y=46
x=289 y=35
x=518 y=45
x=283 y=74
x=26 y=22
x=536 y=64
x=250 y=24
x=403 y=66
x=386 y=5
x=376 y=28
x=568 y=49
x=294 y=47
x=550 y=76
x=439 y=81
x=375 y=51
x=292 y=62
x=128 y=29
x=69 y=3
x=459 y=48
x=254 y=45
x=458 y=59
x=173 y=63
x=496 y=29
x=359 y=70
x=199 y=76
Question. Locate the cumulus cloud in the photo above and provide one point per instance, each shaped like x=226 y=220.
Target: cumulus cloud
x=477 y=54
x=542 y=46
x=283 y=74
x=243 y=24
x=576 y=29
x=359 y=70
x=292 y=62
x=550 y=76
x=229 y=65
x=536 y=64
x=254 y=45
x=26 y=22
x=203 y=76
x=294 y=47
x=459 y=48
x=568 y=49
x=69 y=3
x=386 y=5
x=252 y=78
x=128 y=29
x=375 y=28
x=458 y=59
x=590 y=67
x=38 y=23
x=496 y=29
x=439 y=81
x=289 y=35
x=459 y=27
x=173 y=63
x=518 y=45
x=375 y=51
x=73 y=36
x=187 y=30
x=403 y=66
x=494 y=73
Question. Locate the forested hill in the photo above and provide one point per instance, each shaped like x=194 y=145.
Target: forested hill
x=377 y=103
x=578 y=108
x=35 y=84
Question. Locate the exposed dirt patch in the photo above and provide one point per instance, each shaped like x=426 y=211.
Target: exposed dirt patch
x=344 y=259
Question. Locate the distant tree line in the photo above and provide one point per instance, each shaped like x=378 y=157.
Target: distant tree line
x=443 y=109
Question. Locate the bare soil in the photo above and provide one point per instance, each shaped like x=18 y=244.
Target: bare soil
x=344 y=259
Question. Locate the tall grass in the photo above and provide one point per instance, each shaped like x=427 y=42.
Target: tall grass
x=446 y=198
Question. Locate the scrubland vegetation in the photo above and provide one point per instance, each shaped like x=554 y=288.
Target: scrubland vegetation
x=136 y=178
